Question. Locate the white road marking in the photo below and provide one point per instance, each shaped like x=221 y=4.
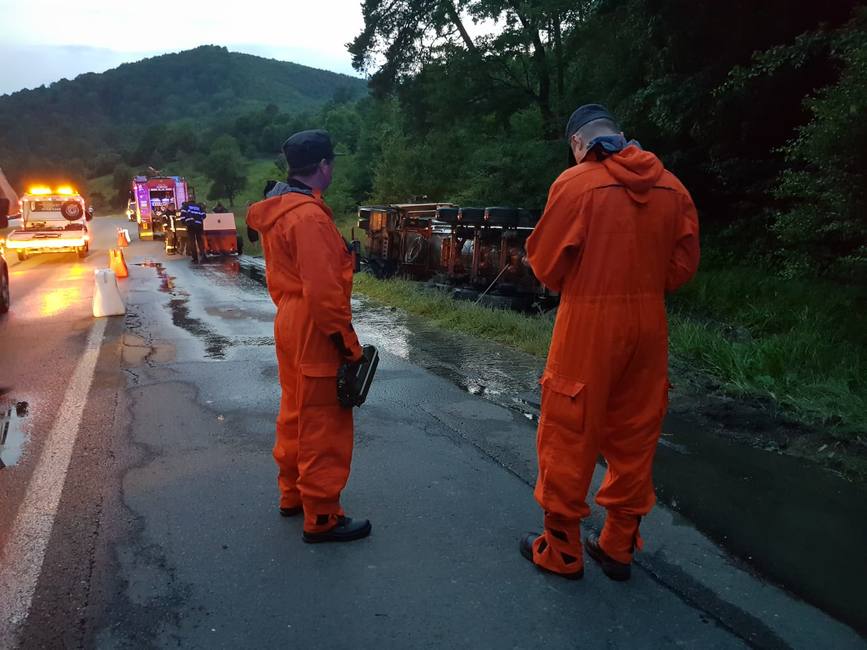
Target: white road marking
x=21 y=559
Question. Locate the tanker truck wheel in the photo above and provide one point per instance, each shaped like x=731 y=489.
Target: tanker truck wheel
x=83 y=251
x=22 y=256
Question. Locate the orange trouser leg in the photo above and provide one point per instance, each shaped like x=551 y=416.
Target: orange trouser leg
x=286 y=447
x=324 y=451
x=628 y=445
x=567 y=455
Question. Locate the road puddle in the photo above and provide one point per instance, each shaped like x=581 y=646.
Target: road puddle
x=13 y=437
x=216 y=345
x=503 y=376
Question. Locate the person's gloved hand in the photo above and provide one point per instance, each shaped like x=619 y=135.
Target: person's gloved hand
x=347 y=389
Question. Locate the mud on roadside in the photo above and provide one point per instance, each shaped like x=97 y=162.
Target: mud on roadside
x=761 y=424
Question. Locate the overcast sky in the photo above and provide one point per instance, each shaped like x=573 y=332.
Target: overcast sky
x=42 y=41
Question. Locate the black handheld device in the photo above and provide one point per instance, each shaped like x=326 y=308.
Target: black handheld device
x=354 y=379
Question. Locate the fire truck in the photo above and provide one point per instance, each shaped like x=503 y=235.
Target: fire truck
x=153 y=198
x=53 y=220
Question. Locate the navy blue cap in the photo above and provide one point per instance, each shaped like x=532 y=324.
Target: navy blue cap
x=307 y=148
x=586 y=114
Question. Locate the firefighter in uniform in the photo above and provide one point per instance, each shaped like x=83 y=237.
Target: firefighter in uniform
x=193 y=218
x=617 y=233
x=309 y=274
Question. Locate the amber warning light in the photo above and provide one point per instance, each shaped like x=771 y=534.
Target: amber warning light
x=65 y=190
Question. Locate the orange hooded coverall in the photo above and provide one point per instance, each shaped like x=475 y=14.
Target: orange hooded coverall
x=616 y=235
x=309 y=273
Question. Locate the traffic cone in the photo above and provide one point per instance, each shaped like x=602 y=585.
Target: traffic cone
x=117 y=263
x=106 y=295
x=121 y=239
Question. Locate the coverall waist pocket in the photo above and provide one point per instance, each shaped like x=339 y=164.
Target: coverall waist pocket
x=560 y=384
x=562 y=404
x=318 y=385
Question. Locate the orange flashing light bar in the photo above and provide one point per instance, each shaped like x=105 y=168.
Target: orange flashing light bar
x=42 y=190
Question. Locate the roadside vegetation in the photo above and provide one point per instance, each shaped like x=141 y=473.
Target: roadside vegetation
x=759 y=337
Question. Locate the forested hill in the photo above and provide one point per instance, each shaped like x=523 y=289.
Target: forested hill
x=70 y=122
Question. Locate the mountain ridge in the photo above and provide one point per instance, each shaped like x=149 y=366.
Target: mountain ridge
x=69 y=122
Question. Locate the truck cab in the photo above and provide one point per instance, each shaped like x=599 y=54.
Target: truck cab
x=52 y=221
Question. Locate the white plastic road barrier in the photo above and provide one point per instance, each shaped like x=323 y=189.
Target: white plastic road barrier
x=126 y=236
x=106 y=295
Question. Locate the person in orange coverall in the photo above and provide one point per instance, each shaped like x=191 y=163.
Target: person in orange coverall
x=309 y=270
x=617 y=233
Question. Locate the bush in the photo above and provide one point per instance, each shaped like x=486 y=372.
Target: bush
x=823 y=228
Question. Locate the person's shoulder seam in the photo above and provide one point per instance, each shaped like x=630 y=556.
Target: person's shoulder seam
x=586 y=187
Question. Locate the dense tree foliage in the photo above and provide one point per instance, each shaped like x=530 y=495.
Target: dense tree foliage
x=757 y=107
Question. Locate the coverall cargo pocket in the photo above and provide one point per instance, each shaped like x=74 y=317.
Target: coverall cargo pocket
x=563 y=401
x=318 y=385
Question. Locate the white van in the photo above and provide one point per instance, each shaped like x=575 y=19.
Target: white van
x=53 y=221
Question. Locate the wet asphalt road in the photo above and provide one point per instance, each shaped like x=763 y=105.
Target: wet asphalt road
x=166 y=532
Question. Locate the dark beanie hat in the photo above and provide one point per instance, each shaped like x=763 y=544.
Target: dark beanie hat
x=586 y=114
x=307 y=148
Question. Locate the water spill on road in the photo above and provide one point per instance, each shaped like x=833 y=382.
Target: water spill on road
x=796 y=523
x=506 y=377
x=215 y=344
x=13 y=437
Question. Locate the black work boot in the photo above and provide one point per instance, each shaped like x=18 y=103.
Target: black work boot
x=610 y=567
x=291 y=512
x=345 y=530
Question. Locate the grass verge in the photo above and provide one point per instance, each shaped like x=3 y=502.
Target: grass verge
x=799 y=344
x=528 y=333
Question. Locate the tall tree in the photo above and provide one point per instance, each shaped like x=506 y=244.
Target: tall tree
x=225 y=167
x=400 y=38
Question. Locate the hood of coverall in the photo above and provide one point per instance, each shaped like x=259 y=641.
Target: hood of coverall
x=637 y=169
x=263 y=215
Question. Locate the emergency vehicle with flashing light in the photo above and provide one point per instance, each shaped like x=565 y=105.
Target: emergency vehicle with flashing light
x=53 y=220
x=153 y=199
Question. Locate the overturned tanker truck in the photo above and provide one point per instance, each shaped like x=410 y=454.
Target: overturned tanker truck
x=476 y=253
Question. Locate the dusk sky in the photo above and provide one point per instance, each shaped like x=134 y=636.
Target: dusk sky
x=44 y=40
